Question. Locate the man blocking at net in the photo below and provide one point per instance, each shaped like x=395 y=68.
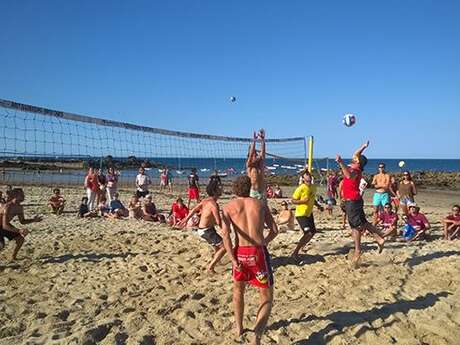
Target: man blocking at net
x=255 y=167
x=250 y=257
x=354 y=205
x=12 y=209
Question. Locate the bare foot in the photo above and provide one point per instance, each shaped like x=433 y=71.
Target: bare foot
x=211 y=270
x=238 y=333
x=380 y=244
x=356 y=260
x=256 y=339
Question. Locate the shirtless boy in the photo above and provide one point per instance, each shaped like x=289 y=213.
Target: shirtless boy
x=354 y=205
x=10 y=210
x=210 y=217
x=381 y=183
x=56 y=202
x=250 y=257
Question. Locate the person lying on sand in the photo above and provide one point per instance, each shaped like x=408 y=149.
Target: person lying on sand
x=354 y=205
x=452 y=224
x=210 y=217
x=286 y=217
x=250 y=258
x=56 y=202
x=8 y=212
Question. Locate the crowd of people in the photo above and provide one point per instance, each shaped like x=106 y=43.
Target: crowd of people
x=248 y=215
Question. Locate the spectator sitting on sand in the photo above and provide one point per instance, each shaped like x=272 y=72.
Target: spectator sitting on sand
x=117 y=209
x=418 y=221
x=388 y=221
x=135 y=208
x=149 y=211
x=56 y=202
x=178 y=212
x=83 y=209
x=285 y=217
x=452 y=224
x=102 y=206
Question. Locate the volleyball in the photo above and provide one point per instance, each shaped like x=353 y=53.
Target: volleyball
x=401 y=164
x=349 y=120
x=232 y=99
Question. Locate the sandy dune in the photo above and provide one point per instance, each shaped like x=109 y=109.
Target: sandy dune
x=98 y=281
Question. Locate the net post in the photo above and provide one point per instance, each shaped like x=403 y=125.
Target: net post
x=310 y=153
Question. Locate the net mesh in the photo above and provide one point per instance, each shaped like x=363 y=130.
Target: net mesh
x=44 y=146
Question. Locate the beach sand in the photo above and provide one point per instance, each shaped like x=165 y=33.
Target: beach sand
x=96 y=281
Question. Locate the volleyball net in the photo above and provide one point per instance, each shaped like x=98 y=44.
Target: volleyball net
x=45 y=146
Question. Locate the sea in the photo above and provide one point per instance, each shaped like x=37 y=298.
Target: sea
x=229 y=168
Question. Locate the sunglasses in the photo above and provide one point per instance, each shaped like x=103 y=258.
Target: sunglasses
x=381 y=167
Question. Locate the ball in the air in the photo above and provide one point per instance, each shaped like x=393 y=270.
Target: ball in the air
x=401 y=164
x=349 y=119
x=232 y=99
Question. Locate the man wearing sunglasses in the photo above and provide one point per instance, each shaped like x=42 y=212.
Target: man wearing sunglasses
x=381 y=183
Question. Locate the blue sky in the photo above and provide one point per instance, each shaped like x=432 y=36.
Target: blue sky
x=295 y=67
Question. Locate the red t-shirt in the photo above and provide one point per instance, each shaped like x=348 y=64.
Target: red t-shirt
x=388 y=218
x=417 y=220
x=453 y=218
x=91 y=182
x=350 y=186
x=179 y=212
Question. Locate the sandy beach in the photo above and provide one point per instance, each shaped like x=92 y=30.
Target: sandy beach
x=97 y=281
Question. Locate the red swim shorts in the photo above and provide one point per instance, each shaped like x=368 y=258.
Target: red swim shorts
x=193 y=193
x=255 y=265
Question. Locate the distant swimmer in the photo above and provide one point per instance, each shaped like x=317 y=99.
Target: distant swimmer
x=209 y=219
x=354 y=205
x=8 y=212
x=250 y=257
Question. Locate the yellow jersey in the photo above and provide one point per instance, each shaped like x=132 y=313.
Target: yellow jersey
x=305 y=192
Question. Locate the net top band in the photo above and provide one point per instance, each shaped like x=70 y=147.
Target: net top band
x=110 y=123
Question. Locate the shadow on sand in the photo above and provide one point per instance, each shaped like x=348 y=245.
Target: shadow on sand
x=280 y=261
x=85 y=257
x=340 y=320
x=417 y=260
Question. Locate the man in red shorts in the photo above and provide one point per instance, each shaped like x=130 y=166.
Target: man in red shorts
x=354 y=205
x=193 y=188
x=250 y=258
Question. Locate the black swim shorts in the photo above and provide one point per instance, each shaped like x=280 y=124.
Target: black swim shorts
x=307 y=224
x=9 y=235
x=355 y=213
x=211 y=236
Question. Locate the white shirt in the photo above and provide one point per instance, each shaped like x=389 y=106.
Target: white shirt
x=142 y=182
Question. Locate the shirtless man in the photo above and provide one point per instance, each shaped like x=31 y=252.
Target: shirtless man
x=250 y=258
x=10 y=210
x=255 y=167
x=354 y=205
x=210 y=217
x=382 y=184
